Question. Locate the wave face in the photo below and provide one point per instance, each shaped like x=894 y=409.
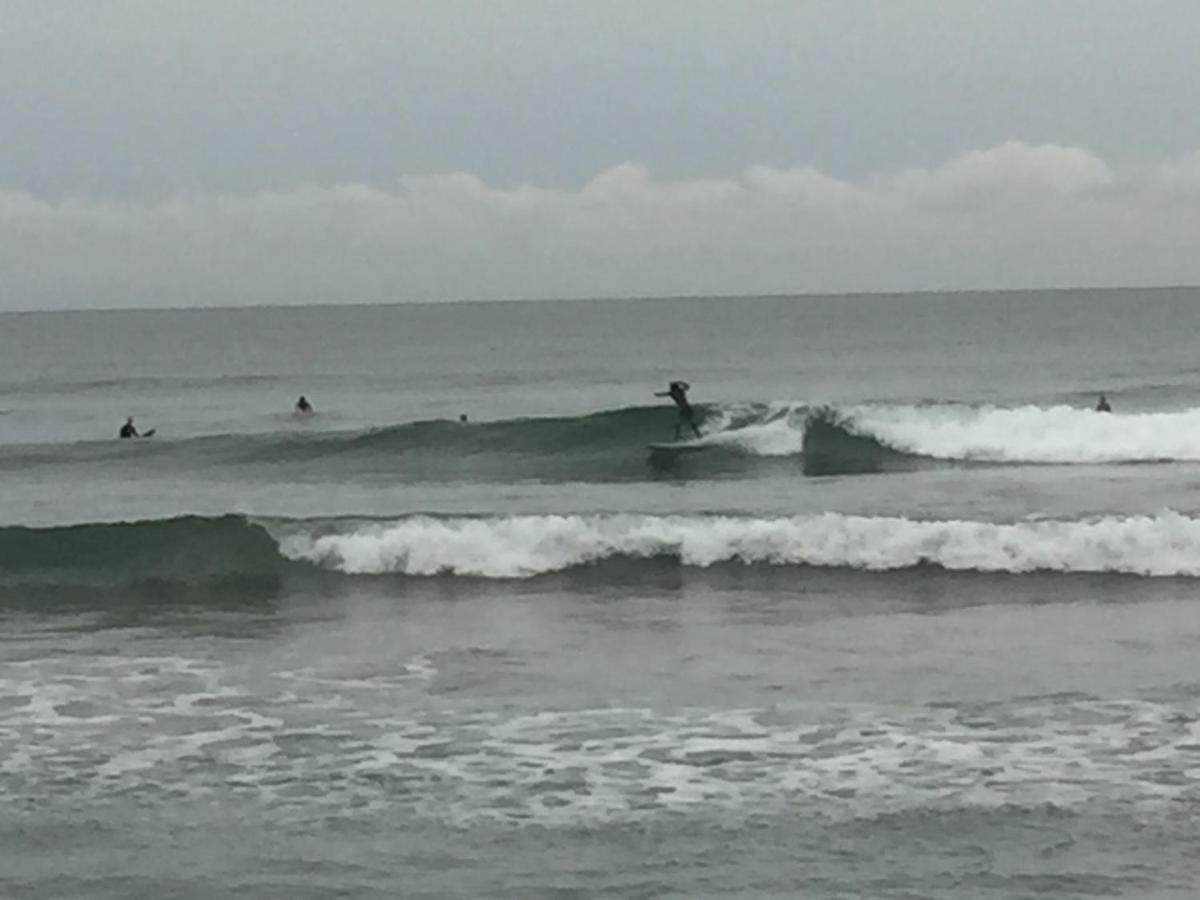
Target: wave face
x=188 y=549
x=597 y=447
x=741 y=440
x=193 y=550
x=833 y=446
x=1027 y=434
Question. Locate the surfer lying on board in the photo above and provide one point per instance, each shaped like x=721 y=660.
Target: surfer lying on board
x=677 y=391
x=128 y=431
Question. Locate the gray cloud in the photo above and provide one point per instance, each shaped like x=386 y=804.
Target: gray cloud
x=136 y=98
x=1010 y=216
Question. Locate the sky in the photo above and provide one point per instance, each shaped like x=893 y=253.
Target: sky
x=233 y=152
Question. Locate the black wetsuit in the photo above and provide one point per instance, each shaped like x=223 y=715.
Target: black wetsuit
x=128 y=431
x=677 y=391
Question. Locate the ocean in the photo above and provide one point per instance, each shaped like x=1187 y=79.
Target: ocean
x=911 y=621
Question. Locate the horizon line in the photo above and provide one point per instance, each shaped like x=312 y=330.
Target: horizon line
x=773 y=295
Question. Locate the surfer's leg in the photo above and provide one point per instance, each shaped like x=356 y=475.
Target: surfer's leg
x=686 y=416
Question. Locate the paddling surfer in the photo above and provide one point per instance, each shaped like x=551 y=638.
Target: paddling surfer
x=129 y=431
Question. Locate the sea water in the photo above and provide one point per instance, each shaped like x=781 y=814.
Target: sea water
x=916 y=622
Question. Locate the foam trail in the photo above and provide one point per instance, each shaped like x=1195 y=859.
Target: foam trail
x=525 y=546
x=775 y=429
x=1031 y=434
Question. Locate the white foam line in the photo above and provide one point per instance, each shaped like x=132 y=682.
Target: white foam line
x=523 y=546
x=1060 y=434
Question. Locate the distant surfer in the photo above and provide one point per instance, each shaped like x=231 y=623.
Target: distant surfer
x=129 y=431
x=303 y=407
x=677 y=391
x=1103 y=406
x=462 y=419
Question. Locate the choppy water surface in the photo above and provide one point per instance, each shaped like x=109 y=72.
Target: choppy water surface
x=909 y=620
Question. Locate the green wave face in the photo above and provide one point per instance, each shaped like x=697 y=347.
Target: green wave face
x=832 y=446
x=185 y=550
x=607 y=446
x=231 y=550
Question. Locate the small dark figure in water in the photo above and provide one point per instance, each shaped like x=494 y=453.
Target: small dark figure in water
x=677 y=391
x=463 y=418
x=127 y=430
x=303 y=407
x=1103 y=406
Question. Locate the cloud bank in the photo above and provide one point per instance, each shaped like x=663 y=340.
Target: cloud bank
x=1012 y=216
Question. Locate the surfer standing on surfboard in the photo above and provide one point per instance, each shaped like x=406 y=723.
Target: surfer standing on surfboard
x=677 y=391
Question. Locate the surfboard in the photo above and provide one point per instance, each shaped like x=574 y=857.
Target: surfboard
x=679 y=447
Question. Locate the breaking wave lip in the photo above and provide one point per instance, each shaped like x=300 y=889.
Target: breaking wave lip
x=513 y=547
x=195 y=550
x=1024 y=434
x=192 y=550
x=611 y=445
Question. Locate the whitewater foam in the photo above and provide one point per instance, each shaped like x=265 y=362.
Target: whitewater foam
x=572 y=766
x=526 y=546
x=774 y=430
x=1028 y=434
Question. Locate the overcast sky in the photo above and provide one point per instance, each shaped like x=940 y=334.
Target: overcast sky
x=176 y=152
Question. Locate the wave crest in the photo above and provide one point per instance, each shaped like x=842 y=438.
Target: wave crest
x=187 y=550
x=746 y=439
x=1026 y=434
x=526 y=546
x=206 y=551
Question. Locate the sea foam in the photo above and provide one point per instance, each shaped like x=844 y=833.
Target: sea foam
x=1028 y=434
x=525 y=546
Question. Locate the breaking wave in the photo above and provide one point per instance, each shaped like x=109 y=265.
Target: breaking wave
x=190 y=550
x=187 y=549
x=1026 y=434
x=603 y=446
x=526 y=546
x=740 y=440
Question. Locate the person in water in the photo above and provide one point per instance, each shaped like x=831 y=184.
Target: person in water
x=127 y=430
x=677 y=391
x=303 y=407
x=1103 y=406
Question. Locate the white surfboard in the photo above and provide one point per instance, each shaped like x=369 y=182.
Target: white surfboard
x=680 y=447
